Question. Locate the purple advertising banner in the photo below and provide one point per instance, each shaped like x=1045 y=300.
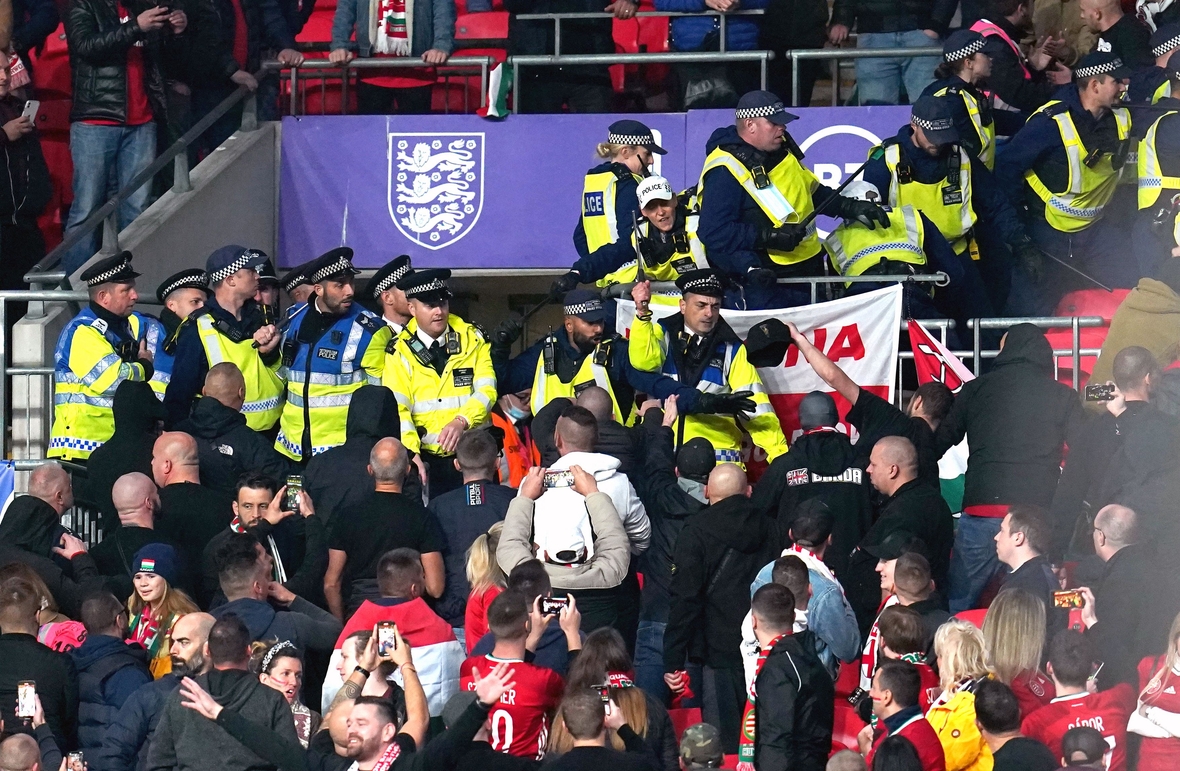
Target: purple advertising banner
x=460 y=191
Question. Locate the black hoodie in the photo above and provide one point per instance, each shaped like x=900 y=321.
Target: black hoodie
x=1017 y=419
x=717 y=555
x=229 y=448
x=137 y=413
x=28 y=534
x=338 y=480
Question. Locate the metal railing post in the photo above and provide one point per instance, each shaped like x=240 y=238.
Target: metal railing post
x=4 y=390
x=515 y=88
x=294 y=89
x=1077 y=352
x=794 y=78
x=976 y=363
x=345 y=82
x=721 y=21
x=483 y=84
x=557 y=36
x=762 y=72
x=110 y=234
x=250 y=113
x=180 y=179
x=835 y=73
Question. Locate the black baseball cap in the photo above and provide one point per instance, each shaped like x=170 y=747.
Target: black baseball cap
x=936 y=117
x=767 y=343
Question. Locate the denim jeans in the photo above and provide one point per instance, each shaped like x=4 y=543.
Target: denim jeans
x=649 y=659
x=878 y=81
x=102 y=153
x=974 y=561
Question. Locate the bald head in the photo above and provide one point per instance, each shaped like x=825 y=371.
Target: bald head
x=1114 y=527
x=51 y=483
x=174 y=459
x=598 y=401
x=892 y=463
x=388 y=462
x=19 y=752
x=136 y=500
x=726 y=481
x=226 y=384
x=190 y=634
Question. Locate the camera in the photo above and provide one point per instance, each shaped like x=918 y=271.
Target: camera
x=553 y=605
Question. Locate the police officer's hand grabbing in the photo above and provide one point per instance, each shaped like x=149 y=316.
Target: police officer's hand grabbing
x=761 y=277
x=726 y=404
x=267 y=338
x=507 y=333
x=865 y=212
x=783 y=238
x=671 y=411
x=564 y=284
x=1029 y=258
x=448 y=438
x=641 y=294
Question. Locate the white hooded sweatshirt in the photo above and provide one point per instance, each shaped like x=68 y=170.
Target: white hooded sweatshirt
x=555 y=503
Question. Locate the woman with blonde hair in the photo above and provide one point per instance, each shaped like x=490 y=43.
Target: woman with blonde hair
x=959 y=648
x=1014 y=639
x=604 y=662
x=155 y=604
x=1157 y=717
x=279 y=667
x=487 y=581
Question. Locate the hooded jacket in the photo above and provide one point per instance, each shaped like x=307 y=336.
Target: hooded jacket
x=305 y=625
x=1149 y=316
x=229 y=448
x=794 y=708
x=186 y=741
x=28 y=190
x=1017 y=419
x=338 y=480
x=717 y=556
x=136 y=411
x=28 y=532
x=125 y=744
x=109 y=671
x=606 y=473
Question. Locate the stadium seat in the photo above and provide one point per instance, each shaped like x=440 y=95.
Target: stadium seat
x=729 y=761
x=1085 y=302
x=848 y=680
x=975 y=616
x=846 y=724
x=683 y=718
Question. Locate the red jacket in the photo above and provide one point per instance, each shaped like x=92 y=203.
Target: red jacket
x=920 y=733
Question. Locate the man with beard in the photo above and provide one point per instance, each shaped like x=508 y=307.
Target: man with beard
x=330 y=349
x=131 y=732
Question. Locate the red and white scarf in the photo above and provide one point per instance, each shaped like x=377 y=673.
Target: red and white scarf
x=391 y=26
x=748 y=739
x=385 y=762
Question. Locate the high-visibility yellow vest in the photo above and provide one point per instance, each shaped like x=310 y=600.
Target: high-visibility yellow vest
x=786 y=199
x=321 y=378
x=87 y=369
x=591 y=372
x=981 y=120
x=264 y=387
x=689 y=256
x=1090 y=188
x=947 y=206
x=728 y=371
x=1162 y=91
x=854 y=248
x=598 y=205
x=1151 y=176
x=429 y=401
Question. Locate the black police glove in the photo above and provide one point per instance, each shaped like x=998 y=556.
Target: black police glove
x=564 y=284
x=507 y=333
x=726 y=404
x=867 y=212
x=764 y=278
x=783 y=238
x=1030 y=258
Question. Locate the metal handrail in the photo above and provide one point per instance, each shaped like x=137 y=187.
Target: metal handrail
x=938 y=279
x=836 y=54
x=107 y=214
x=558 y=18
x=483 y=62
x=669 y=57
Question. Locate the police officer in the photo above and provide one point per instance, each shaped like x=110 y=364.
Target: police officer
x=755 y=195
x=181 y=294
x=296 y=285
x=926 y=167
x=386 y=298
x=1018 y=82
x=1152 y=84
x=100 y=348
x=1063 y=167
x=331 y=347
x=230 y=327
x=268 y=287
x=440 y=370
x=699 y=348
x=609 y=204
x=1155 y=233
x=667 y=239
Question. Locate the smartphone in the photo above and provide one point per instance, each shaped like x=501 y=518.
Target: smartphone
x=603 y=692
x=1070 y=598
x=558 y=479
x=386 y=638
x=30 y=110
x=1099 y=392
x=291 y=498
x=76 y=762
x=553 y=605
x=26 y=699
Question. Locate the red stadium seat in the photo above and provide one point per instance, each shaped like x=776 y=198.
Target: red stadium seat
x=683 y=718
x=975 y=616
x=845 y=726
x=729 y=761
x=482 y=26
x=1086 y=302
x=848 y=680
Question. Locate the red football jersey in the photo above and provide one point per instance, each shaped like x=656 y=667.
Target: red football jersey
x=1107 y=711
x=1033 y=691
x=1164 y=694
x=520 y=722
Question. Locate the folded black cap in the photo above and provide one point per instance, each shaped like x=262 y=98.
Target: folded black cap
x=767 y=343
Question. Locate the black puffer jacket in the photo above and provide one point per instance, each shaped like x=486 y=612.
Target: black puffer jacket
x=228 y=447
x=1016 y=419
x=99 y=44
x=795 y=712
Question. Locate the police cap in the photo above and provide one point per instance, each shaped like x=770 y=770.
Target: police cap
x=193 y=278
x=266 y=272
x=767 y=343
x=116 y=269
x=297 y=276
x=428 y=286
x=388 y=276
x=935 y=116
x=1164 y=39
x=763 y=104
x=228 y=260
x=585 y=304
x=632 y=132
x=331 y=264
x=962 y=44
x=705 y=281
x=1101 y=63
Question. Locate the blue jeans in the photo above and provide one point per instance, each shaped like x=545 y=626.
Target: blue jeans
x=878 y=81
x=974 y=561
x=649 y=659
x=102 y=154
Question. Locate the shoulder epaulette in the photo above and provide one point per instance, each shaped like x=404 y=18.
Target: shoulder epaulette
x=170 y=343
x=1053 y=109
x=370 y=322
x=622 y=172
x=483 y=333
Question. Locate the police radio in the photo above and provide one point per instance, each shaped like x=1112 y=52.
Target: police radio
x=549 y=354
x=128 y=350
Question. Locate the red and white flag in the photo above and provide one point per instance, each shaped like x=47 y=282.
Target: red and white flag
x=935 y=363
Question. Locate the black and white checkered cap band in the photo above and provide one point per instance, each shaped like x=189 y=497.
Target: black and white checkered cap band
x=707 y=284
x=391 y=279
x=1097 y=69
x=759 y=112
x=590 y=306
x=107 y=275
x=433 y=285
x=972 y=48
x=339 y=266
x=639 y=140
x=1167 y=45
x=234 y=267
x=187 y=281
x=942 y=124
x=294 y=281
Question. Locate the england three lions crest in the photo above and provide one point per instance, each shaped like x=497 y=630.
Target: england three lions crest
x=435 y=185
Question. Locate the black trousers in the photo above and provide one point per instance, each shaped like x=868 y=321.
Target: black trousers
x=582 y=89
x=723 y=700
x=380 y=100
x=617 y=608
x=444 y=477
